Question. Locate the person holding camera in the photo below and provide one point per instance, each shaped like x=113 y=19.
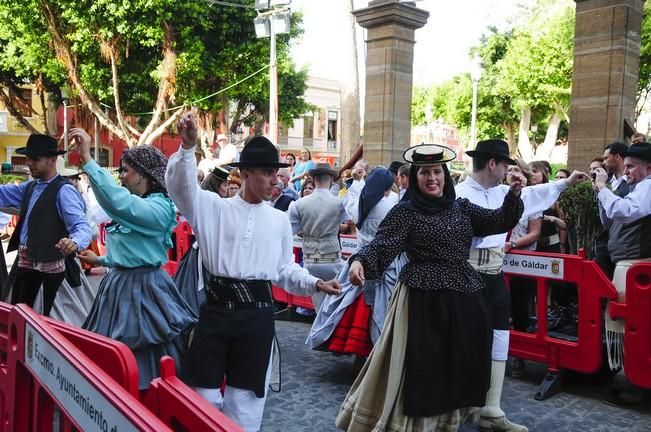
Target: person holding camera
x=628 y=220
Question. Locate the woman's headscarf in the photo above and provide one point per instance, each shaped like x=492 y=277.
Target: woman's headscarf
x=415 y=199
x=149 y=160
x=377 y=182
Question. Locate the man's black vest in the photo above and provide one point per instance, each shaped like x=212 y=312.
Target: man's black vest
x=45 y=227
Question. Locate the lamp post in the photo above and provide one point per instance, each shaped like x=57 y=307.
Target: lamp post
x=65 y=95
x=475 y=75
x=273 y=18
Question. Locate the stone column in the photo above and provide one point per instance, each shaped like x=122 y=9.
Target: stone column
x=391 y=28
x=604 y=80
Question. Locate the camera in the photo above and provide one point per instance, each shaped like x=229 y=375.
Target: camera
x=594 y=176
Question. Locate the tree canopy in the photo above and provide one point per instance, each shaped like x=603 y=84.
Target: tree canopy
x=146 y=57
x=527 y=74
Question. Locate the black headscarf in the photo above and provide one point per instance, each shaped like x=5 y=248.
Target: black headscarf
x=378 y=181
x=414 y=199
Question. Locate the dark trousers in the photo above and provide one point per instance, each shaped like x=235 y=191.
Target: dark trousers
x=27 y=284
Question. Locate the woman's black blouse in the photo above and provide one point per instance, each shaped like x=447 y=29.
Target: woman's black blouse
x=437 y=245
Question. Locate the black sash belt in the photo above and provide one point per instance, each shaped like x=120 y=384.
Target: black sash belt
x=239 y=293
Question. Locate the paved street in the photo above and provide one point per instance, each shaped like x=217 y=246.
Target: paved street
x=315 y=383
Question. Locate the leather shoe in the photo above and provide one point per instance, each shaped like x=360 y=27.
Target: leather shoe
x=500 y=424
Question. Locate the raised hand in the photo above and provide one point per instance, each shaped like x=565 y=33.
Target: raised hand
x=80 y=141
x=516 y=182
x=188 y=131
x=577 y=176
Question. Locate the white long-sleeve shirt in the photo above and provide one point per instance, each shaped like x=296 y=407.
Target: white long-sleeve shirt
x=236 y=239
x=536 y=199
x=634 y=206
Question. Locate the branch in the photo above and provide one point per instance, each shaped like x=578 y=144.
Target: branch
x=160 y=129
x=66 y=56
x=15 y=112
x=166 y=85
x=116 y=92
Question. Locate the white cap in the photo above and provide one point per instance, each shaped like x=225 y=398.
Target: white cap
x=222 y=137
x=63 y=171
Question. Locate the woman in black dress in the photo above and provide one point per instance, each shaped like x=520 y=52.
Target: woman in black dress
x=432 y=362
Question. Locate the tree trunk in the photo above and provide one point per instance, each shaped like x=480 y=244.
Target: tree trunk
x=8 y=101
x=524 y=145
x=349 y=81
x=544 y=150
x=509 y=128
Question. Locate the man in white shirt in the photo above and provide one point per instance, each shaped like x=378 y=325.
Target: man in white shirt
x=484 y=188
x=228 y=153
x=244 y=245
x=628 y=217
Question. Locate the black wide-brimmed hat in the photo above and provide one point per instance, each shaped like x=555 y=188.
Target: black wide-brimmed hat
x=395 y=166
x=40 y=145
x=494 y=148
x=220 y=173
x=323 y=168
x=428 y=154
x=259 y=152
x=639 y=150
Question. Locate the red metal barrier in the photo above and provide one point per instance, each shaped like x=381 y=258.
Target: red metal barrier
x=636 y=310
x=178 y=405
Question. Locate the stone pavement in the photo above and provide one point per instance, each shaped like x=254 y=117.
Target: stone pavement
x=315 y=383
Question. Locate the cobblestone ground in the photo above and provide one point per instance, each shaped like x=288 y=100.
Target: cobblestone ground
x=315 y=384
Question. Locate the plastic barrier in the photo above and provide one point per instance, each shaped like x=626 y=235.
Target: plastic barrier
x=45 y=372
x=349 y=246
x=581 y=355
x=182 y=239
x=178 y=405
x=636 y=310
x=90 y=380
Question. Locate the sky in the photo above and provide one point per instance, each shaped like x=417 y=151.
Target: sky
x=441 y=49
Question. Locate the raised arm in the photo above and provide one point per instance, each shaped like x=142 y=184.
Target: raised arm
x=488 y=222
x=181 y=174
x=130 y=210
x=630 y=208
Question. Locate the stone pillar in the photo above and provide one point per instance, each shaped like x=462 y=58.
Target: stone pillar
x=604 y=80
x=391 y=28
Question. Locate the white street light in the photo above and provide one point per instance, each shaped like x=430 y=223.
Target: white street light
x=273 y=18
x=475 y=75
x=65 y=95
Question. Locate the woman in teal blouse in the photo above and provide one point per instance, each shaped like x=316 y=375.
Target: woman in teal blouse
x=137 y=302
x=301 y=169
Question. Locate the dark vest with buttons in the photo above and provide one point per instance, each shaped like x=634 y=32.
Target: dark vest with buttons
x=45 y=227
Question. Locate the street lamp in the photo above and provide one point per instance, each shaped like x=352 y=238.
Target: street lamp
x=65 y=95
x=475 y=75
x=273 y=18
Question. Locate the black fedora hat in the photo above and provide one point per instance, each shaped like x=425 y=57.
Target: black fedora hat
x=323 y=168
x=395 y=166
x=428 y=154
x=220 y=173
x=640 y=151
x=494 y=148
x=40 y=145
x=259 y=152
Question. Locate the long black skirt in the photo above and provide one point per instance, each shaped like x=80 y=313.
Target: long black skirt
x=448 y=356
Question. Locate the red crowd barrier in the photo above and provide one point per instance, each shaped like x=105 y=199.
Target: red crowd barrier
x=637 y=337
x=585 y=354
x=91 y=381
x=182 y=239
x=349 y=246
